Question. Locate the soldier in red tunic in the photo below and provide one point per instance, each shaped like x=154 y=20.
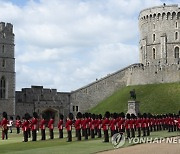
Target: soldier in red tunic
x=138 y=124
x=51 y=127
x=43 y=127
x=85 y=122
x=113 y=124
x=25 y=126
x=105 y=126
x=18 y=123
x=99 y=125
x=77 y=125
x=69 y=123
x=4 y=123
x=132 y=125
x=34 y=126
x=92 y=125
x=60 y=126
x=128 y=125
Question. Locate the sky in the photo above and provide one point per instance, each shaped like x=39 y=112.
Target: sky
x=67 y=44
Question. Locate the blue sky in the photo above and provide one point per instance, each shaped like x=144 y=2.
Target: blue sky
x=66 y=44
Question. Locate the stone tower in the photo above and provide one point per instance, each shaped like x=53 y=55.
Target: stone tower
x=159 y=35
x=7 y=69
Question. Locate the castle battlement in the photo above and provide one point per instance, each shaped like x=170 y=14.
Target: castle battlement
x=6 y=27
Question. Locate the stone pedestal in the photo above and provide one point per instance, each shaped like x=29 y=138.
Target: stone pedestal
x=133 y=107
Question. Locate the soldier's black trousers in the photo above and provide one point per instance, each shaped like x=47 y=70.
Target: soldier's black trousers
x=34 y=135
x=92 y=133
x=139 y=132
x=5 y=134
x=69 y=136
x=95 y=131
x=26 y=133
x=88 y=131
x=148 y=131
x=60 y=133
x=18 y=130
x=132 y=132
x=106 y=136
x=128 y=133
x=78 y=134
x=99 y=133
x=43 y=134
x=29 y=133
x=85 y=134
x=51 y=133
x=144 y=131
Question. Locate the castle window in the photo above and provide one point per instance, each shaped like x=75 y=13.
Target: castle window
x=154 y=53
x=3 y=88
x=154 y=26
x=176 y=35
x=176 y=24
x=154 y=37
x=176 y=52
x=3 y=63
x=73 y=108
x=77 y=108
x=3 y=49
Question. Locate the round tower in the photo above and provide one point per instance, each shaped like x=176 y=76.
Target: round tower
x=7 y=69
x=159 y=35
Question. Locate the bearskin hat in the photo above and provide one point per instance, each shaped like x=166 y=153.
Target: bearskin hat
x=18 y=117
x=100 y=116
x=107 y=114
x=27 y=116
x=71 y=116
x=61 y=117
x=79 y=115
x=4 y=115
x=35 y=115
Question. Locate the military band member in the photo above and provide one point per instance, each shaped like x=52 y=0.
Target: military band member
x=138 y=124
x=18 y=123
x=132 y=125
x=10 y=124
x=113 y=124
x=51 y=127
x=4 y=124
x=128 y=125
x=99 y=125
x=69 y=123
x=105 y=126
x=92 y=125
x=34 y=126
x=43 y=127
x=85 y=122
x=78 y=124
x=60 y=126
x=25 y=126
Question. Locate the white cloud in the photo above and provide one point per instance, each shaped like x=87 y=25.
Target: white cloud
x=66 y=44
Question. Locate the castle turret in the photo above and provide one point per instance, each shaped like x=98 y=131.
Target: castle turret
x=159 y=35
x=7 y=69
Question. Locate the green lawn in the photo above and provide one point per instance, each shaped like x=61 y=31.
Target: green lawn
x=154 y=98
x=15 y=145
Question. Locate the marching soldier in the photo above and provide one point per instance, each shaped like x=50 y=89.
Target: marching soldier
x=105 y=126
x=138 y=125
x=60 y=126
x=99 y=125
x=121 y=123
x=18 y=123
x=34 y=126
x=10 y=124
x=132 y=125
x=85 y=122
x=128 y=125
x=51 y=127
x=69 y=123
x=113 y=124
x=4 y=123
x=144 y=124
x=77 y=125
x=92 y=125
x=43 y=127
x=25 y=126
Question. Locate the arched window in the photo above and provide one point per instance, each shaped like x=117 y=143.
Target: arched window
x=176 y=52
x=3 y=49
x=3 y=88
x=3 y=63
x=176 y=24
x=154 y=37
x=154 y=53
x=176 y=35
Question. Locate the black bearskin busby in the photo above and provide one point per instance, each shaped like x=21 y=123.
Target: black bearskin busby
x=4 y=115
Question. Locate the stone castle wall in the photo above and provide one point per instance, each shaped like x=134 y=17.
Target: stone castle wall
x=7 y=68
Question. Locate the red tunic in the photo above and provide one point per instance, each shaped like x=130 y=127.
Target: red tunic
x=69 y=125
x=99 y=123
x=113 y=124
x=77 y=124
x=43 y=124
x=92 y=124
x=84 y=123
x=34 y=124
x=51 y=124
x=25 y=125
x=128 y=124
x=4 y=123
x=18 y=123
x=105 y=124
x=60 y=124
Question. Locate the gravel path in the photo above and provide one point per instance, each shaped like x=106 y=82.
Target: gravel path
x=155 y=148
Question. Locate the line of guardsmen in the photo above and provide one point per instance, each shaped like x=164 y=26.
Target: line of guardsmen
x=89 y=125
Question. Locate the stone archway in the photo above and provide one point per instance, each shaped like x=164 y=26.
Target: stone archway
x=51 y=112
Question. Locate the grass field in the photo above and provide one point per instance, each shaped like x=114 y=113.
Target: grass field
x=154 y=98
x=59 y=146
